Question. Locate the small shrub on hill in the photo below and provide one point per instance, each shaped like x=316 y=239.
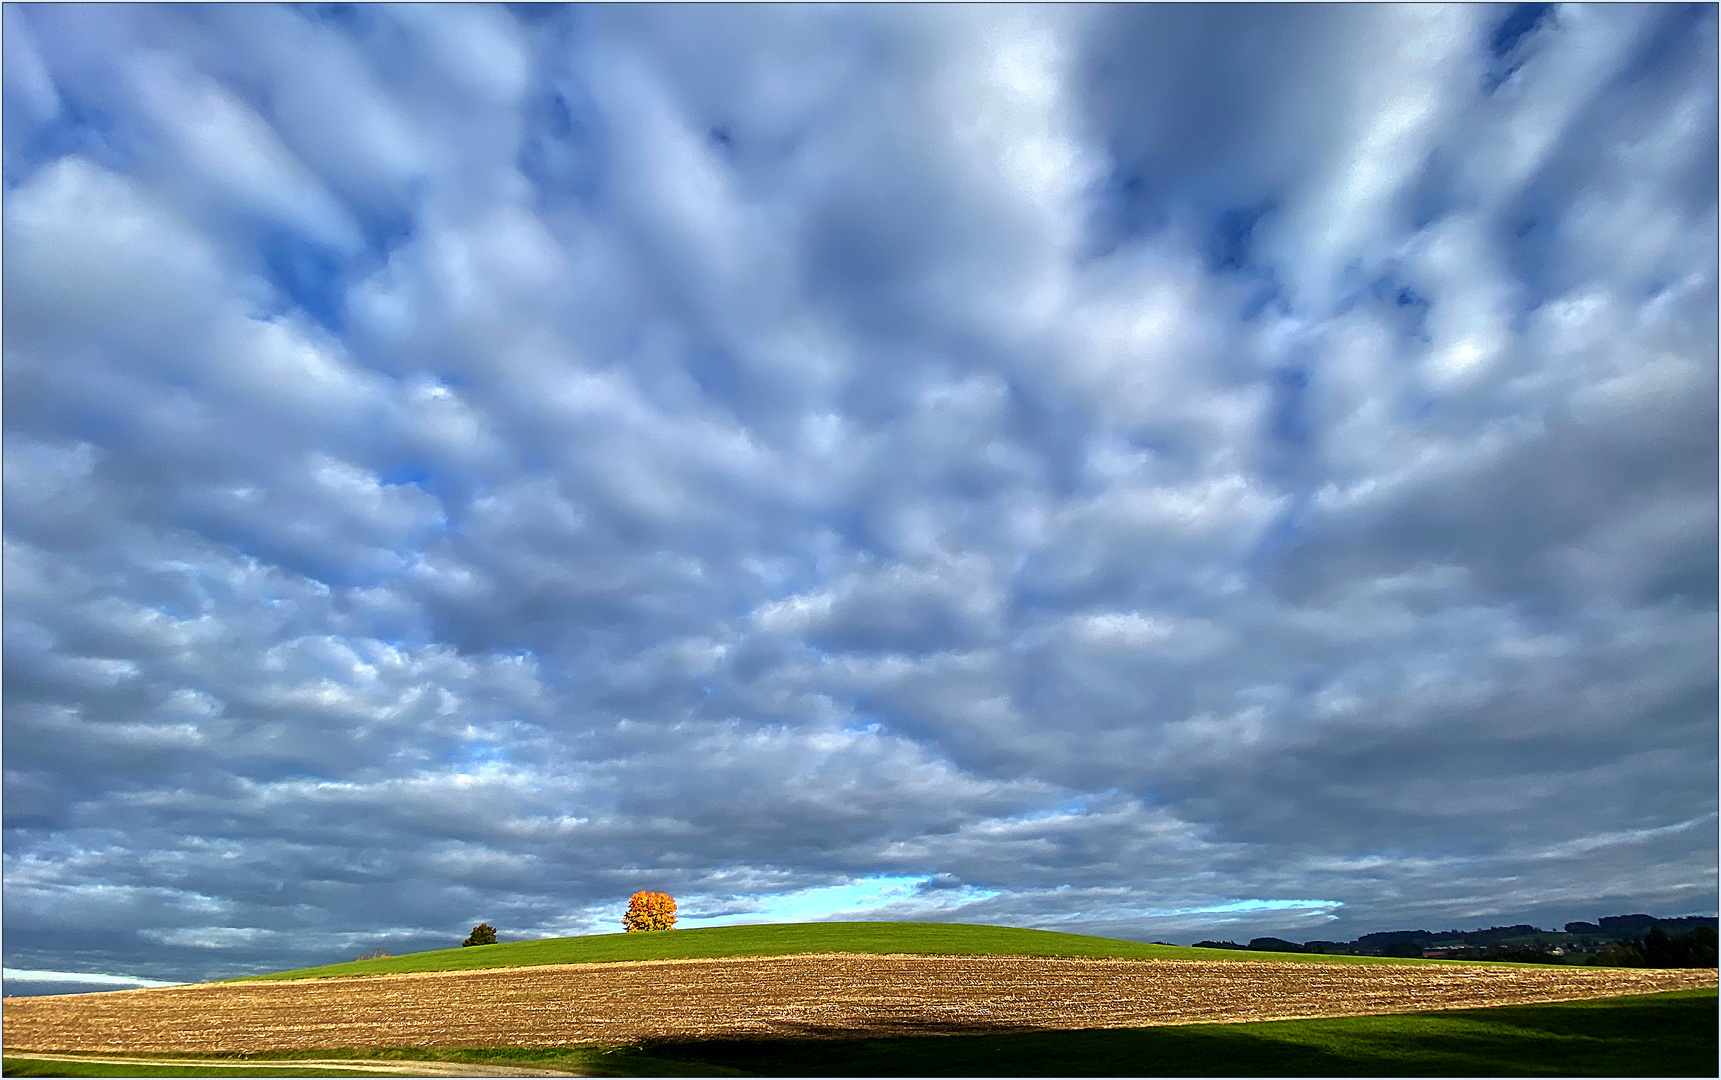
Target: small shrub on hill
x=374 y=954
x=649 y=911
x=482 y=934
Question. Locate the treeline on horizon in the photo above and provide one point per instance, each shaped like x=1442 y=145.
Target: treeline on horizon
x=1614 y=941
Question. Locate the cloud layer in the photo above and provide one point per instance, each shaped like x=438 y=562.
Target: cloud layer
x=1144 y=470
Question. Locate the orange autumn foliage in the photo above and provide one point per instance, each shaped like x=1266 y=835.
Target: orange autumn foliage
x=650 y=911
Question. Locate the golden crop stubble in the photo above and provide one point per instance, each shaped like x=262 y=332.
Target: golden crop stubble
x=836 y=995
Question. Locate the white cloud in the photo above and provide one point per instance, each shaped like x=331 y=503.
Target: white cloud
x=1130 y=469
x=33 y=975
x=234 y=150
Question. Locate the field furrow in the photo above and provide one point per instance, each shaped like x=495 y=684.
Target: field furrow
x=836 y=995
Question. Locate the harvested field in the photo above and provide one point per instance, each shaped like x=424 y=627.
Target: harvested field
x=788 y=996
x=287 y=1068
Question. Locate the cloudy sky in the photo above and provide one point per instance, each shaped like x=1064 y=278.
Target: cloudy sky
x=1160 y=472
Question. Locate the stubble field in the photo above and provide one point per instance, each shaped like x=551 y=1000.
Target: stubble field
x=776 y=997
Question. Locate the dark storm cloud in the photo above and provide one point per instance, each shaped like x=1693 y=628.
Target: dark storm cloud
x=1160 y=471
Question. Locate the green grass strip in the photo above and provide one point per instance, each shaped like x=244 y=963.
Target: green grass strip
x=787 y=939
x=1671 y=1034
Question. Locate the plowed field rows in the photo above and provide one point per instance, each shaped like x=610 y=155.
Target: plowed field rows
x=775 y=996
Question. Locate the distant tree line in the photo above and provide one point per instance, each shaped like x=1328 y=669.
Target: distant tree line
x=1615 y=941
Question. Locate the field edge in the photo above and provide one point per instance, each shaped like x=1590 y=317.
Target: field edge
x=792 y=939
x=1664 y=1033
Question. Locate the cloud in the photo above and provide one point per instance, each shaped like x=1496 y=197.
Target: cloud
x=31 y=975
x=1134 y=470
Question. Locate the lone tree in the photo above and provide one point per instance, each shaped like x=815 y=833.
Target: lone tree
x=482 y=934
x=650 y=911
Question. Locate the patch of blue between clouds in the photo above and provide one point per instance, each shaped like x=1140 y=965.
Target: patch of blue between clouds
x=346 y=16
x=1519 y=21
x=407 y=473
x=1231 y=238
x=1503 y=45
x=1412 y=307
x=1064 y=809
x=477 y=754
x=848 y=902
x=855 y=900
x=78 y=129
x=392 y=227
x=308 y=274
x=1231 y=253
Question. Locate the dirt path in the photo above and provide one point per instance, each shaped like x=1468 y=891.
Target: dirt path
x=391 y=1068
x=786 y=996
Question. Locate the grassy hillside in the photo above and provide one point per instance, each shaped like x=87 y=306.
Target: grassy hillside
x=784 y=939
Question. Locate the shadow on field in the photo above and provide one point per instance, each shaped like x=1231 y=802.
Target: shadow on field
x=876 y=1029
x=1651 y=1035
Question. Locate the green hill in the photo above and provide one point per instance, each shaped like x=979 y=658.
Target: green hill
x=785 y=939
